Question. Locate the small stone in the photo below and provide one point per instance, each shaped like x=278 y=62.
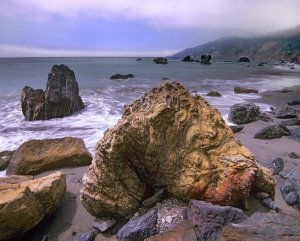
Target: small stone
x=269 y=203
x=278 y=165
x=103 y=225
x=163 y=220
x=293 y=155
x=169 y=219
x=236 y=129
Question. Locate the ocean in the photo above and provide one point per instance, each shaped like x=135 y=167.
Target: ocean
x=104 y=98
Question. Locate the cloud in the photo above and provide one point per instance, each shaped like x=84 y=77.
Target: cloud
x=244 y=16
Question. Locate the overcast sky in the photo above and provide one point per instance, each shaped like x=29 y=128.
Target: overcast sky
x=133 y=27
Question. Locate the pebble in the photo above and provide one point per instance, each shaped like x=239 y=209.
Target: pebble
x=169 y=219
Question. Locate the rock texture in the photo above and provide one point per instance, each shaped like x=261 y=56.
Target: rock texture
x=284 y=111
x=36 y=156
x=205 y=59
x=243 y=90
x=236 y=129
x=277 y=166
x=272 y=131
x=160 y=60
x=24 y=202
x=169 y=138
x=295 y=134
x=290 y=189
x=122 y=76
x=214 y=93
x=4 y=159
x=61 y=97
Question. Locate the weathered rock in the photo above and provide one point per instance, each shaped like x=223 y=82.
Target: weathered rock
x=293 y=102
x=236 y=129
x=285 y=112
x=188 y=59
x=122 y=76
x=209 y=219
x=36 y=156
x=286 y=172
x=269 y=203
x=139 y=228
x=244 y=59
x=291 y=122
x=157 y=197
x=170 y=139
x=24 y=202
x=272 y=131
x=243 y=90
x=295 y=134
x=214 y=93
x=4 y=159
x=160 y=60
x=290 y=189
x=244 y=113
x=293 y=155
x=277 y=166
x=205 y=59
x=61 y=97
x=263 y=226
x=261 y=195
x=87 y=236
x=103 y=225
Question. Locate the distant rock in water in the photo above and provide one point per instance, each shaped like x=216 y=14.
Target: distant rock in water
x=122 y=76
x=139 y=59
x=205 y=59
x=61 y=97
x=188 y=58
x=169 y=138
x=295 y=60
x=214 y=93
x=243 y=90
x=160 y=60
x=244 y=59
x=244 y=113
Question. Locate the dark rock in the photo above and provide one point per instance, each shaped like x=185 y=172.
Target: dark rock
x=291 y=122
x=60 y=99
x=286 y=172
x=139 y=59
x=293 y=155
x=164 y=78
x=285 y=112
x=157 y=197
x=209 y=219
x=262 y=64
x=272 y=131
x=44 y=238
x=214 y=93
x=261 y=195
x=264 y=117
x=88 y=236
x=286 y=90
x=290 y=189
x=244 y=113
x=188 y=59
x=242 y=90
x=292 y=67
x=295 y=60
x=205 y=59
x=160 y=60
x=103 y=225
x=294 y=102
x=277 y=166
x=295 y=134
x=120 y=222
x=269 y=203
x=5 y=157
x=236 y=129
x=244 y=59
x=264 y=226
x=122 y=76
x=139 y=228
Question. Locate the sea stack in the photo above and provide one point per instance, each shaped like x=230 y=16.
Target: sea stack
x=61 y=97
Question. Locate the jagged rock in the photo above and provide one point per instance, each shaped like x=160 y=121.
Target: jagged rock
x=157 y=197
x=263 y=226
x=242 y=90
x=205 y=59
x=291 y=122
x=214 y=93
x=272 y=131
x=139 y=228
x=290 y=189
x=277 y=166
x=293 y=155
x=160 y=60
x=285 y=111
x=209 y=219
x=295 y=134
x=122 y=76
x=36 y=156
x=236 y=129
x=245 y=113
x=61 y=97
x=293 y=102
x=169 y=138
x=4 y=159
x=244 y=59
x=24 y=202
x=103 y=225
x=87 y=236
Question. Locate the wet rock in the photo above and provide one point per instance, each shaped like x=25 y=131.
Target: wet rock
x=236 y=129
x=295 y=60
x=244 y=113
x=122 y=76
x=293 y=155
x=24 y=202
x=286 y=172
x=269 y=203
x=277 y=166
x=214 y=93
x=209 y=219
x=285 y=112
x=188 y=59
x=157 y=197
x=139 y=228
x=61 y=97
x=290 y=189
x=293 y=102
x=139 y=59
x=205 y=59
x=5 y=157
x=103 y=225
x=244 y=59
x=36 y=156
x=286 y=90
x=295 y=134
x=162 y=140
x=160 y=60
x=263 y=226
x=87 y=236
x=291 y=122
x=243 y=90
x=272 y=131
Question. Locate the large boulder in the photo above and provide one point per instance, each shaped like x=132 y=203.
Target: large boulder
x=244 y=59
x=188 y=58
x=160 y=60
x=285 y=112
x=24 y=202
x=290 y=189
x=272 y=132
x=295 y=134
x=205 y=59
x=243 y=90
x=36 y=156
x=169 y=138
x=61 y=97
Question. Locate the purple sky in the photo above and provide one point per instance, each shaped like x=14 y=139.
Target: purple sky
x=133 y=27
